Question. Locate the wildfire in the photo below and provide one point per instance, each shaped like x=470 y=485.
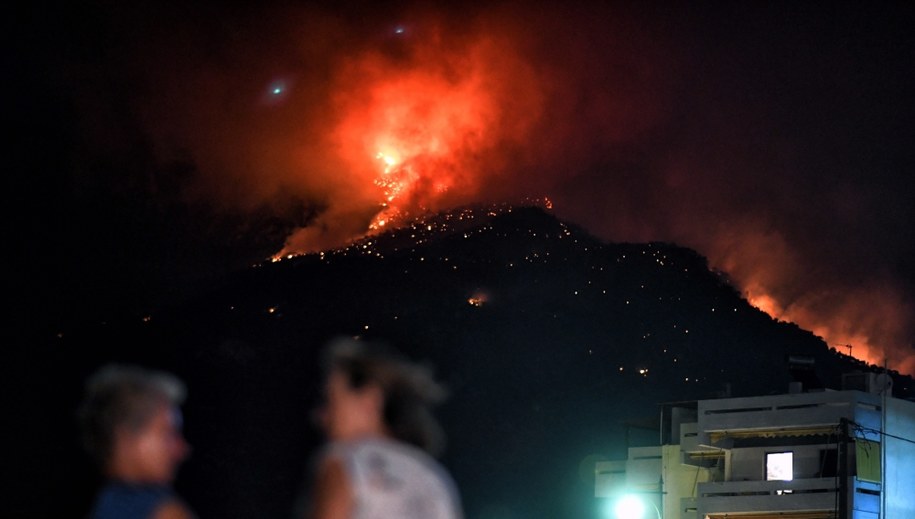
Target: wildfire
x=478 y=298
x=417 y=131
x=765 y=303
x=838 y=333
x=420 y=144
x=415 y=125
x=396 y=182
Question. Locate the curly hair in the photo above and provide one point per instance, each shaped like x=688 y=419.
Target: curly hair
x=119 y=396
x=409 y=389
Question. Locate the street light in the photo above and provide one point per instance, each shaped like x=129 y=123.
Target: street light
x=632 y=506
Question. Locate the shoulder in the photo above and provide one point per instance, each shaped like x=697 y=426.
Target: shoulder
x=428 y=473
x=379 y=471
x=414 y=465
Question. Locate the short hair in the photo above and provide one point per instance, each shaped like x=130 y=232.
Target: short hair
x=119 y=396
x=410 y=390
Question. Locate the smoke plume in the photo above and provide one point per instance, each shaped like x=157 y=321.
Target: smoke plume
x=777 y=154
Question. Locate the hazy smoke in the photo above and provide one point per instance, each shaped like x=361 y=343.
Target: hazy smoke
x=758 y=149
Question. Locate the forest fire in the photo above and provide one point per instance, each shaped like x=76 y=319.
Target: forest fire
x=840 y=331
x=363 y=127
x=414 y=136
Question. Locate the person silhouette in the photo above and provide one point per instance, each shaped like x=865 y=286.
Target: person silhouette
x=382 y=437
x=131 y=425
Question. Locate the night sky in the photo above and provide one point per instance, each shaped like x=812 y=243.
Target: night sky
x=156 y=146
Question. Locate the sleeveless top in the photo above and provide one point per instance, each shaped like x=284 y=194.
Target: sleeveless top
x=119 y=500
x=392 y=479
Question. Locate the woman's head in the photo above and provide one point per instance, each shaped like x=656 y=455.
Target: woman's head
x=131 y=423
x=373 y=390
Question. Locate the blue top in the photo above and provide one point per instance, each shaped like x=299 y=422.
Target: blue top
x=119 y=500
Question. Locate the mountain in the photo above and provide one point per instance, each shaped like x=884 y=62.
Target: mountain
x=548 y=338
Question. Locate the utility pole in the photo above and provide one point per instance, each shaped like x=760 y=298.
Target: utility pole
x=843 y=468
x=883 y=438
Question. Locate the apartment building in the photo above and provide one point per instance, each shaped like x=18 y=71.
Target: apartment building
x=846 y=454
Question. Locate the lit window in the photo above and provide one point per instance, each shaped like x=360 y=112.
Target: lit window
x=779 y=466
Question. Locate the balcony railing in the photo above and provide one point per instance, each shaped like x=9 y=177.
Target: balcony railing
x=788 y=415
x=770 y=496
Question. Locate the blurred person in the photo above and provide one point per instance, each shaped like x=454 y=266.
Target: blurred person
x=382 y=436
x=131 y=426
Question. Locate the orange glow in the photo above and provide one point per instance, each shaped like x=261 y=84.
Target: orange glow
x=869 y=315
x=478 y=299
x=765 y=303
x=426 y=124
x=422 y=134
x=843 y=330
x=501 y=103
x=421 y=124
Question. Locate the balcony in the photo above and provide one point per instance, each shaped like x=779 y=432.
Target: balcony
x=734 y=497
x=785 y=415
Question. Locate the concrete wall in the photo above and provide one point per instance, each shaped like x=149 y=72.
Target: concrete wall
x=900 y=459
x=786 y=412
x=680 y=482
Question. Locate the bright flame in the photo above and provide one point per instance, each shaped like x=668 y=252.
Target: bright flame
x=396 y=182
x=422 y=131
x=388 y=160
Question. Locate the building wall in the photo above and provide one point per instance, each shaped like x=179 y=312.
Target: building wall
x=778 y=415
x=900 y=459
x=744 y=488
x=680 y=482
x=657 y=474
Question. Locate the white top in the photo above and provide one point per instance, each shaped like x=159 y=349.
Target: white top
x=390 y=479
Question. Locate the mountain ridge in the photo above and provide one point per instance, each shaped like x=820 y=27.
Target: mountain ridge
x=548 y=338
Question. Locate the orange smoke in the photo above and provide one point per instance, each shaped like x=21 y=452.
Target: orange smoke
x=865 y=322
x=867 y=319
x=421 y=133
x=339 y=124
x=419 y=126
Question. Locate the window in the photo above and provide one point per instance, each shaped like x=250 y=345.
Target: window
x=779 y=466
x=829 y=463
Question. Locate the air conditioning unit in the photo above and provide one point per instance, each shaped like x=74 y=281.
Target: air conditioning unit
x=868 y=382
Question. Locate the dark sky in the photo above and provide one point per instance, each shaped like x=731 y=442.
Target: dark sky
x=157 y=144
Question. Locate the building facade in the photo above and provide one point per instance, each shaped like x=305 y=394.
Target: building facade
x=844 y=454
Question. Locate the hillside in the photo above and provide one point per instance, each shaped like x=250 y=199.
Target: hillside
x=548 y=339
